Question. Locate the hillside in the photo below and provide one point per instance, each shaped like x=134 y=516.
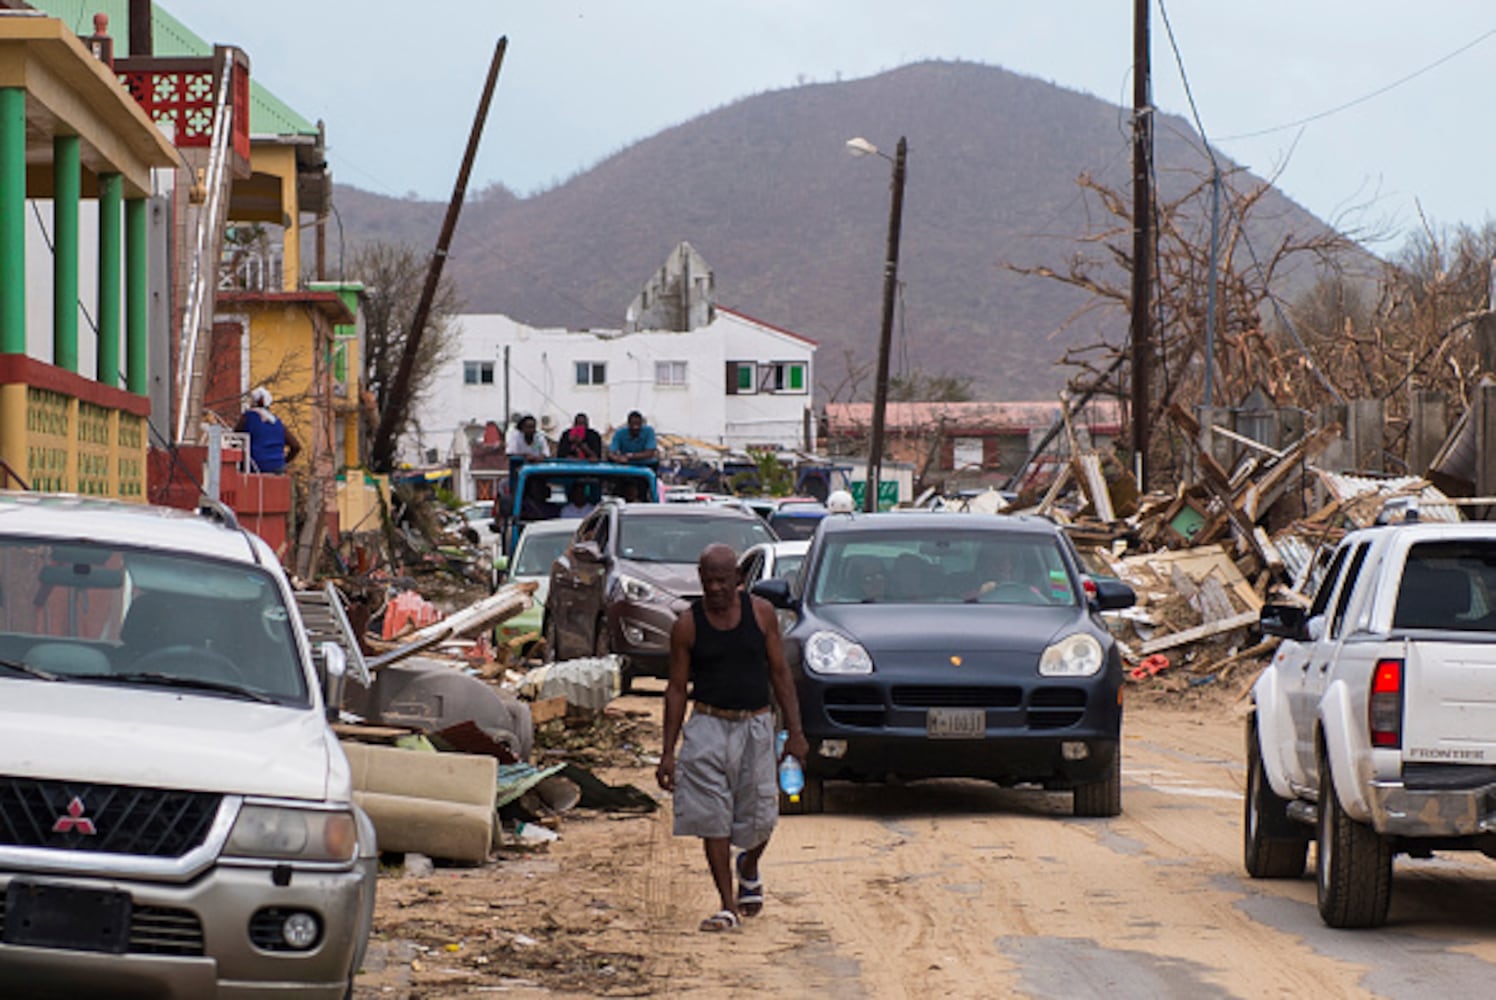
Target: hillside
x=795 y=228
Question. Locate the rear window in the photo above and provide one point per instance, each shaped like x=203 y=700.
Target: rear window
x=1448 y=585
x=795 y=527
x=951 y=568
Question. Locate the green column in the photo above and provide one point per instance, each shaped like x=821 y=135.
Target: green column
x=66 y=178
x=137 y=291
x=111 y=189
x=12 y=220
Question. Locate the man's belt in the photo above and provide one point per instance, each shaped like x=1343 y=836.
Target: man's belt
x=731 y=714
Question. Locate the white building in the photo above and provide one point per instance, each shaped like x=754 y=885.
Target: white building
x=735 y=382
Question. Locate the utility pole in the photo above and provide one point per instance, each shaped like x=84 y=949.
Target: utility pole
x=1142 y=214
x=890 y=284
x=382 y=450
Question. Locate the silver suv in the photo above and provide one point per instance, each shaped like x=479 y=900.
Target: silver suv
x=176 y=816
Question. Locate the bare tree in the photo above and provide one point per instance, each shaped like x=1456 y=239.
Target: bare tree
x=1247 y=350
x=393 y=277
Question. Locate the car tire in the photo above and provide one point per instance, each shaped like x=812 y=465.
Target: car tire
x=812 y=799
x=550 y=638
x=1354 y=876
x=1104 y=797
x=1273 y=845
x=602 y=646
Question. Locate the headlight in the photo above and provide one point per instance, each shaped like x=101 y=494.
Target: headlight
x=831 y=653
x=1076 y=655
x=636 y=589
x=299 y=834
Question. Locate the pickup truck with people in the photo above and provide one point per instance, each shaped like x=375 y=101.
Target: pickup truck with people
x=1372 y=732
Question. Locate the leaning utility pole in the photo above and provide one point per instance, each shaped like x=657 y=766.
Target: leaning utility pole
x=885 y=334
x=1142 y=214
x=382 y=451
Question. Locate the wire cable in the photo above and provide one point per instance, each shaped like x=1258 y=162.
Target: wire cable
x=1359 y=100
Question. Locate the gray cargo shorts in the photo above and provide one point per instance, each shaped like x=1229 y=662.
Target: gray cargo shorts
x=726 y=779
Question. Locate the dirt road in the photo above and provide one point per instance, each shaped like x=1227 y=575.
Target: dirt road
x=941 y=889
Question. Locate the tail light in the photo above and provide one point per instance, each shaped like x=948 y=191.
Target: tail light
x=1385 y=706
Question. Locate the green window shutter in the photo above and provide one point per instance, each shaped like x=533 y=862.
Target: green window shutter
x=745 y=378
x=797 y=377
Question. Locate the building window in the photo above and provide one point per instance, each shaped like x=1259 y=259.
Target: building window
x=477 y=373
x=742 y=378
x=782 y=376
x=670 y=373
x=592 y=372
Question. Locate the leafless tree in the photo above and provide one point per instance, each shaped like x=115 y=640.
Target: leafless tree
x=393 y=278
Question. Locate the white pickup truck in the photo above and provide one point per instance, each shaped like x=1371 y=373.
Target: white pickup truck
x=1373 y=730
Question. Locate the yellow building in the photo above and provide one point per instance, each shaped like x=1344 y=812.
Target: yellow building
x=69 y=133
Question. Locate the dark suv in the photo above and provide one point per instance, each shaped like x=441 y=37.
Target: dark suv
x=628 y=572
x=955 y=645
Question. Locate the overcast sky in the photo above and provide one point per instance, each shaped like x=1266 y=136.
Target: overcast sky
x=398 y=83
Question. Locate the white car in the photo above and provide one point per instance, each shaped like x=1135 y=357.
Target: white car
x=771 y=559
x=538 y=547
x=176 y=815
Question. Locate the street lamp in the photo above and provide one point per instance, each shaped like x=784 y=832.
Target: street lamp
x=861 y=147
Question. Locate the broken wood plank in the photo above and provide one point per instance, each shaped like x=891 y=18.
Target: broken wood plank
x=1198 y=632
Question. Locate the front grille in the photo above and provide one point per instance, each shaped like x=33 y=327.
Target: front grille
x=854 y=705
x=160 y=930
x=155 y=930
x=938 y=696
x=1056 y=707
x=106 y=819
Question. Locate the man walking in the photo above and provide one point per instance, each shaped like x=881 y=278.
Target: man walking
x=727 y=647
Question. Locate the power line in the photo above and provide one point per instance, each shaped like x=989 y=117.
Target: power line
x=1241 y=222
x=1359 y=100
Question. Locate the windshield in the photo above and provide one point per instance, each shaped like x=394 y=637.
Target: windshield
x=681 y=539
x=953 y=567
x=99 y=614
x=787 y=567
x=537 y=550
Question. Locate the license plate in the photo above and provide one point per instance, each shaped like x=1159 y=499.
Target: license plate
x=55 y=916
x=955 y=723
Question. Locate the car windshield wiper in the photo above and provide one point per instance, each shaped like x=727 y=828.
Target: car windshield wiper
x=195 y=683
x=29 y=671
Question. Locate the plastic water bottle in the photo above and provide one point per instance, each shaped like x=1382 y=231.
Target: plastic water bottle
x=791 y=778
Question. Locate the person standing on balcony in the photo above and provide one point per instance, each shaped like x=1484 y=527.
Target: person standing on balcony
x=271 y=443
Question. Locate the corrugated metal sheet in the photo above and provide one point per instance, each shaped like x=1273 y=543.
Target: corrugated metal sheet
x=1433 y=503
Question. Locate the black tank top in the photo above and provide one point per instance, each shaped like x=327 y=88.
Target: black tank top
x=730 y=669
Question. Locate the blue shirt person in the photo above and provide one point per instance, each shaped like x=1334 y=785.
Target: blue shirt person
x=634 y=443
x=271 y=443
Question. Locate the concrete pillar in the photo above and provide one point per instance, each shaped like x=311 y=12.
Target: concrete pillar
x=1485 y=340
x=1426 y=431
x=137 y=297
x=1364 y=433
x=12 y=221
x=1337 y=455
x=111 y=192
x=67 y=179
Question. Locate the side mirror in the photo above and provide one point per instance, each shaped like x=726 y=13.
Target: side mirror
x=1288 y=621
x=776 y=591
x=1113 y=595
x=334 y=677
x=500 y=568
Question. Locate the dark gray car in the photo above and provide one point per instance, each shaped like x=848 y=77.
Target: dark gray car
x=945 y=645
x=628 y=572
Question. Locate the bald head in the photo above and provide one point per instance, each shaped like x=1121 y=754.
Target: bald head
x=717 y=555
x=718 y=571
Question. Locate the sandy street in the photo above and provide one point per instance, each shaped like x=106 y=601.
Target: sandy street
x=939 y=889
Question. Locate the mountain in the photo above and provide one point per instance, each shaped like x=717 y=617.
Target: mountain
x=795 y=229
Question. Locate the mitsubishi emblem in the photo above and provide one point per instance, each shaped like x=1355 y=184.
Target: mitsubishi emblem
x=75 y=821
